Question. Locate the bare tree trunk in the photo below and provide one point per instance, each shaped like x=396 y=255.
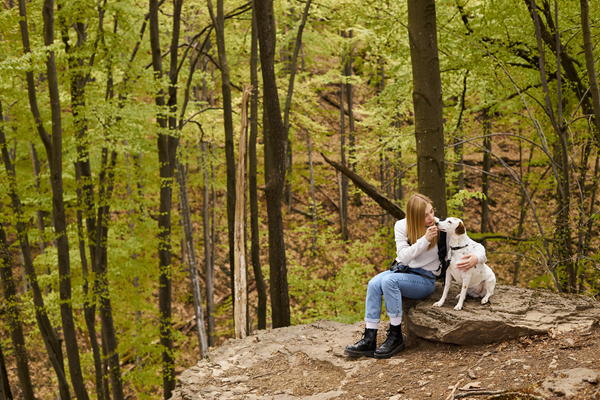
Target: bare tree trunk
x=590 y=222
x=39 y=213
x=347 y=72
x=385 y=202
x=219 y=25
x=588 y=47
x=288 y=102
x=253 y=184
x=213 y=236
x=427 y=98
x=85 y=195
x=208 y=260
x=487 y=164
x=380 y=89
x=522 y=208
x=342 y=180
x=13 y=319
x=167 y=150
x=5 y=392
x=192 y=264
x=280 y=305
x=458 y=135
x=313 y=198
x=241 y=295
x=102 y=290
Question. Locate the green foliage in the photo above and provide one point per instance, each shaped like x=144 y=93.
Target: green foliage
x=456 y=203
x=331 y=282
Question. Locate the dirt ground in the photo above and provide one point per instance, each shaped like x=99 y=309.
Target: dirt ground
x=508 y=370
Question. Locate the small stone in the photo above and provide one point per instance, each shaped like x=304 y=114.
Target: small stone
x=472 y=374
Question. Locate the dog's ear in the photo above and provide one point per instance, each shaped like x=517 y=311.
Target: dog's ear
x=460 y=229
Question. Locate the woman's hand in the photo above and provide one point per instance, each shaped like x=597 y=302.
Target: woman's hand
x=467 y=262
x=431 y=233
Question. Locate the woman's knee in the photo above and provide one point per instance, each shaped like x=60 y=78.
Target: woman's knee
x=390 y=282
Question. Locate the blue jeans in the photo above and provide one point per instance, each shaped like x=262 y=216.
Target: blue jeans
x=392 y=286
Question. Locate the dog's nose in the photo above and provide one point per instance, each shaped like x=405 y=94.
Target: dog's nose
x=437 y=221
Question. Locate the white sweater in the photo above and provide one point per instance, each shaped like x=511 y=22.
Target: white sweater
x=417 y=255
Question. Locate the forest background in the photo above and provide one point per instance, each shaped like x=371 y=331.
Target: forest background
x=120 y=131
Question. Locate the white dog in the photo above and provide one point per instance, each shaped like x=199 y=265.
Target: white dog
x=477 y=281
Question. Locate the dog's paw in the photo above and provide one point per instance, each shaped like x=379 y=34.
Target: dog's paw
x=484 y=301
x=438 y=304
x=458 y=307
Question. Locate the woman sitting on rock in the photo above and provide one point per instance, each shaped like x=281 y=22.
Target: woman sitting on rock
x=417 y=249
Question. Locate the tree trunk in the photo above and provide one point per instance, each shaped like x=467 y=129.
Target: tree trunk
x=458 y=136
x=427 y=98
x=487 y=164
x=288 y=103
x=167 y=150
x=241 y=295
x=280 y=305
x=342 y=180
x=385 y=202
x=102 y=291
x=588 y=47
x=253 y=184
x=208 y=253
x=85 y=189
x=13 y=317
x=5 y=392
x=39 y=212
x=192 y=264
x=313 y=198
x=219 y=25
x=213 y=237
x=522 y=207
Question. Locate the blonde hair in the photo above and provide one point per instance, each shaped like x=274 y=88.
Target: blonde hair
x=415 y=219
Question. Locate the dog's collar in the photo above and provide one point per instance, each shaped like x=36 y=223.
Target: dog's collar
x=458 y=248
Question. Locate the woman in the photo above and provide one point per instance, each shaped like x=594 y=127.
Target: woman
x=417 y=248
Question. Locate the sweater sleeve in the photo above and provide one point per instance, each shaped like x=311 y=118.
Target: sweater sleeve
x=406 y=252
x=478 y=250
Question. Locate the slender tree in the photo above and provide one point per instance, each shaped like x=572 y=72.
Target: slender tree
x=167 y=143
x=5 y=392
x=588 y=48
x=13 y=316
x=487 y=164
x=253 y=184
x=209 y=272
x=280 y=302
x=342 y=179
x=241 y=295
x=218 y=21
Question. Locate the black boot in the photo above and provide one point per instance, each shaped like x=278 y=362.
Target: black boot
x=393 y=345
x=365 y=347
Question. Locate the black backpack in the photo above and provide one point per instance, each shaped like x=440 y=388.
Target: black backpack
x=442 y=252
